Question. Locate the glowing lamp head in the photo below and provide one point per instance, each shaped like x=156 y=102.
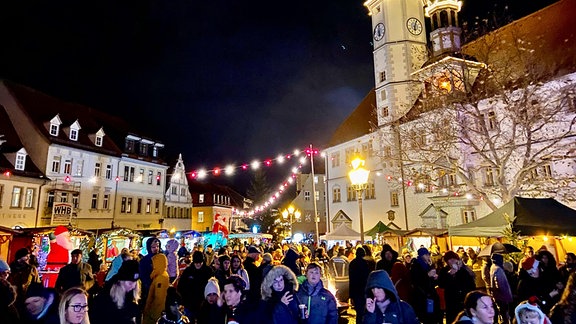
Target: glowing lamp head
x=7 y=173
x=67 y=179
x=291 y=209
x=297 y=214
x=359 y=175
x=285 y=214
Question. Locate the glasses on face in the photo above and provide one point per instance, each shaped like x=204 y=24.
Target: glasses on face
x=79 y=308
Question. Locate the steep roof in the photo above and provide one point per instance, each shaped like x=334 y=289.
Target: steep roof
x=358 y=123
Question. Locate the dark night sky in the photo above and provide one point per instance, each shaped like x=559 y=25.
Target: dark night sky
x=221 y=81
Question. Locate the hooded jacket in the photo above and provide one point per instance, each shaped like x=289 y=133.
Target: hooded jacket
x=158 y=290
x=290 y=259
x=171 y=254
x=526 y=305
x=146 y=267
x=321 y=303
x=397 y=311
x=277 y=311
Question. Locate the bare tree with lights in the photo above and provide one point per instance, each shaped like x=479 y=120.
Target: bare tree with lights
x=258 y=192
x=501 y=128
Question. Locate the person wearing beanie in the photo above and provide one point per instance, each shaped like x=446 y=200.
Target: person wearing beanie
x=532 y=284
x=191 y=285
x=457 y=280
x=383 y=305
x=22 y=274
x=4 y=270
x=528 y=311
x=158 y=289
x=425 y=299
x=8 y=303
x=172 y=313
x=41 y=305
x=210 y=311
x=358 y=271
x=500 y=286
x=118 y=302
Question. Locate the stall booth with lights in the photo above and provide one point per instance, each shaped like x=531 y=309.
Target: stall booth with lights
x=6 y=237
x=111 y=242
x=250 y=238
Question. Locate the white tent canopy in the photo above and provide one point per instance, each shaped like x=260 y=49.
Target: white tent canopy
x=341 y=233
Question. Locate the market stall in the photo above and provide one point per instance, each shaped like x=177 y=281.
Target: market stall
x=6 y=237
x=111 y=242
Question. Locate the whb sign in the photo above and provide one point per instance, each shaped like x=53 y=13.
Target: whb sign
x=62 y=213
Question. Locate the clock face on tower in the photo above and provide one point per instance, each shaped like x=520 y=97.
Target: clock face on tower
x=414 y=26
x=379 y=31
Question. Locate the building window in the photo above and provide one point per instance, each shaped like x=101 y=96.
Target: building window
x=54 y=129
x=492 y=122
x=20 y=161
x=468 y=215
x=335 y=159
x=123 y=205
x=157 y=206
x=106 y=201
x=317 y=195
x=489 y=177
x=174 y=190
x=370 y=192
x=129 y=146
x=56 y=164
x=129 y=173
x=200 y=217
x=74 y=134
x=1 y=194
x=385 y=111
x=394 y=201
x=29 y=199
x=201 y=198
x=382 y=76
x=109 y=171
x=351 y=194
x=94 y=204
x=148 y=206
x=150 y=176
x=144 y=149
x=155 y=151
x=98 y=141
x=50 y=199
x=16 y=197
x=307 y=195
x=336 y=194
x=183 y=192
x=129 y=205
x=158 y=177
x=97 y=167
x=139 y=206
x=547 y=171
x=141 y=176
x=63 y=197
x=67 y=166
x=75 y=200
x=79 y=167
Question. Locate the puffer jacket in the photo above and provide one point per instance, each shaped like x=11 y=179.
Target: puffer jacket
x=397 y=311
x=155 y=303
x=277 y=312
x=171 y=254
x=321 y=303
x=146 y=267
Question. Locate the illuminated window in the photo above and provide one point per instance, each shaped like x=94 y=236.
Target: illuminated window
x=106 y=201
x=200 y=217
x=94 y=203
x=29 y=199
x=56 y=164
x=109 y=171
x=394 y=201
x=148 y=206
x=16 y=197
x=336 y=194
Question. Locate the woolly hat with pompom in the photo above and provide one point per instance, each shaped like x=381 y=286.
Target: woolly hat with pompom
x=212 y=287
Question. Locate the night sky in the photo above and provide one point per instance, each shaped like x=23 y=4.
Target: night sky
x=221 y=81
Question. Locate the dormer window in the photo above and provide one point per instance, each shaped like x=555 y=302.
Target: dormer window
x=99 y=140
x=55 y=125
x=20 y=162
x=74 y=129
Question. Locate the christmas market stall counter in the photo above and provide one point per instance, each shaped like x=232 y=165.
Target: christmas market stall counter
x=110 y=242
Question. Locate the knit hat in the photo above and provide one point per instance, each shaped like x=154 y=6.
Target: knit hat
x=253 y=249
x=197 y=257
x=128 y=271
x=530 y=306
x=267 y=257
x=36 y=289
x=450 y=255
x=422 y=251
x=21 y=253
x=60 y=229
x=4 y=266
x=212 y=287
x=224 y=257
x=530 y=265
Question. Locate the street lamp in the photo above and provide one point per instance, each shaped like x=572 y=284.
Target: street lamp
x=359 y=179
x=292 y=212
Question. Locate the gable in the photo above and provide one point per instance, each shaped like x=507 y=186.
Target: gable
x=341 y=217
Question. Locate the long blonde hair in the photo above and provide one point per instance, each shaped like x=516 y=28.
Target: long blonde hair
x=118 y=293
x=65 y=302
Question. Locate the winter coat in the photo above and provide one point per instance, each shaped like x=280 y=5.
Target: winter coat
x=463 y=319
x=397 y=312
x=145 y=266
x=171 y=254
x=424 y=290
x=163 y=320
x=21 y=276
x=358 y=272
x=191 y=286
x=155 y=303
x=244 y=274
x=8 y=303
x=210 y=314
x=322 y=308
x=255 y=278
x=94 y=261
x=290 y=259
x=397 y=271
x=500 y=287
x=48 y=315
x=75 y=275
x=116 y=264
x=104 y=310
x=557 y=314
x=455 y=287
x=276 y=310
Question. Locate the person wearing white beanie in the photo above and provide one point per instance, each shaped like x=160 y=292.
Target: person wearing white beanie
x=212 y=287
x=210 y=311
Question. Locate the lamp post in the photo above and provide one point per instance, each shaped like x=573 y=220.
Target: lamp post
x=292 y=212
x=359 y=179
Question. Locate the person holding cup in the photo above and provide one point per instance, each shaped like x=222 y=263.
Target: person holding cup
x=457 y=280
x=280 y=303
x=383 y=305
x=320 y=303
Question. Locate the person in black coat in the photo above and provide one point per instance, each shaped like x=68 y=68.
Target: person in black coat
x=279 y=300
x=191 y=284
x=425 y=300
x=358 y=272
x=457 y=280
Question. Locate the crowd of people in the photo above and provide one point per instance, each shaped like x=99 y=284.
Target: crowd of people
x=286 y=284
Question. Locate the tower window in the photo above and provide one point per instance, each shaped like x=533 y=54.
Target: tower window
x=385 y=112
x=382 y=76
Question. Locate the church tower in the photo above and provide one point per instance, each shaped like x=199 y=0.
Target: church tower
x=399 y=37
x=446 y=32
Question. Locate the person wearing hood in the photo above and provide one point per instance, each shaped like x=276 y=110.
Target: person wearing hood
x=171 y=253
x=528 y=312
x=290 y=260
x=383 y=305
x=94 y=260
x=153 y=248
x=172 y=314
x=158 y=289
x=117 y=263
x=358 y=272
x=278 y=294
x=397 y=271
x=41 y=305
x=500 y=287
x=425 y=299
x=320 y=303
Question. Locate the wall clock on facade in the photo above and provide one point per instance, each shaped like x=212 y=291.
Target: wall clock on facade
x=379 y=31
x=414 y=26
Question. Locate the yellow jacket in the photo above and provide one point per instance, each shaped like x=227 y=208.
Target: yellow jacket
x=158 y=288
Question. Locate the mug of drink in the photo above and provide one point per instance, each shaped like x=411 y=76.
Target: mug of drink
x=302 y=311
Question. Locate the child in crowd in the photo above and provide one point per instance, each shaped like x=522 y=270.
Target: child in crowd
x=528 y=312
